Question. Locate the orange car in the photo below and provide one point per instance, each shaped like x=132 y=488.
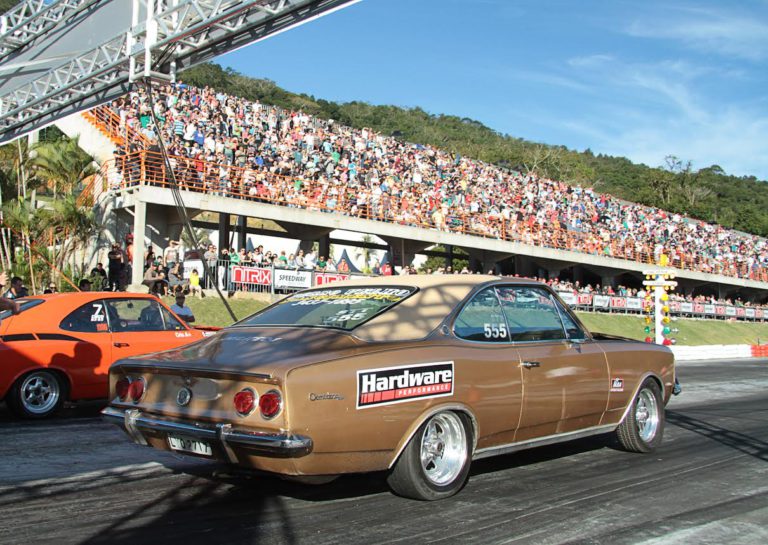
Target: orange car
x=60 y=346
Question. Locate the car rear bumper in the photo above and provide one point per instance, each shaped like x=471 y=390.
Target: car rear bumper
x=262 y=443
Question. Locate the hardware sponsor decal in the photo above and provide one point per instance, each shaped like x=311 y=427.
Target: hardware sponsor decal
x=376 y=387
x=617 y=385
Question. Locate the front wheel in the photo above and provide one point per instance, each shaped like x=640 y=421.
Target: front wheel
x=39 y=394
x=435 y=463
x=643 y=427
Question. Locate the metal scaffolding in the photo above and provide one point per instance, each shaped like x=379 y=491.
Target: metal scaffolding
x=162 y=36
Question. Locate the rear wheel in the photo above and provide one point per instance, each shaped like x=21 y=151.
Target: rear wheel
x=435 y=463
x=39 y=394
x=643 y=427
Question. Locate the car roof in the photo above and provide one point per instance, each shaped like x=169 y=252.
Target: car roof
x=421 y=313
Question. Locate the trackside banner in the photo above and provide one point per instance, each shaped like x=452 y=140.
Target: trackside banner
x=292 y=279
x=251 y=275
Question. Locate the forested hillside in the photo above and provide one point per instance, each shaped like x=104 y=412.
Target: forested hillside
x=708 y=193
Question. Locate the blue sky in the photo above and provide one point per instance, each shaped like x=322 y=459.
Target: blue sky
x=636 y=79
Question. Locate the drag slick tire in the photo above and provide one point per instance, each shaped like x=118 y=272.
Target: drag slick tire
x=435 y=463
x=643 y=426
x=38 y=394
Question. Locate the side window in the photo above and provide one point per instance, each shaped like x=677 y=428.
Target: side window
x=89 y=318
x=482 y=319
x=140 y=315
x=574 y=331
x=531 y=314
x=171 y=323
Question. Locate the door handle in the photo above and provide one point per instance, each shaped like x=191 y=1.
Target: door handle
x=121 y=345
x=530 y=364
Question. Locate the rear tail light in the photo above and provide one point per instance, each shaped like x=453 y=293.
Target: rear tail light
x=136 y=389
x=270 y=404
x=121 y=388
x=245 y=401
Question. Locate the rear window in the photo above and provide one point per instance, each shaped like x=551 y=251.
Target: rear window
x=337 y=308
x=25 y=304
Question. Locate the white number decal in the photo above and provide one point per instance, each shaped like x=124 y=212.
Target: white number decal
x=495 y=331
x=98 y=316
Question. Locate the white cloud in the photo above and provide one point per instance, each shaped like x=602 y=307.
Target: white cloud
x=708 y=30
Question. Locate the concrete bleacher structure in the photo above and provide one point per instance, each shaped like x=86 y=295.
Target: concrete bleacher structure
x=149 y=209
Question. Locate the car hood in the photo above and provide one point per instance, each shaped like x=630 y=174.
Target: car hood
x=263 y=350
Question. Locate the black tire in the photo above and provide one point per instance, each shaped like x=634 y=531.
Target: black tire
x=643 y=427
x=445 y=441
x=39 y=394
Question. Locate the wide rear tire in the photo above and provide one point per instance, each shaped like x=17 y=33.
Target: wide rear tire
x=39 y=394
x=643 y=426
x=435 y=463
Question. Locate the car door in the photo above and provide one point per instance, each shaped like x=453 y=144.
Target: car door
x=565 y=374
x=84 y=349
x=487 y=360
x=141 y=325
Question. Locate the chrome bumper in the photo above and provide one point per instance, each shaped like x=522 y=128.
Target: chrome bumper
x=273 y=445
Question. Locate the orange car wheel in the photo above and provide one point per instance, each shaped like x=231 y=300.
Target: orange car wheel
x=38 y=394
x=435 y=464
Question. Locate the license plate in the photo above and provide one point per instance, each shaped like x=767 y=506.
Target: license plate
x=185 y=444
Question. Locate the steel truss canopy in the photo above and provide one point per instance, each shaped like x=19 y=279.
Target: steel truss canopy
x=64 y=56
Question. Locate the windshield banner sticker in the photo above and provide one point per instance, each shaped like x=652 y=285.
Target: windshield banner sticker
x=376 y=387
x=350 y=296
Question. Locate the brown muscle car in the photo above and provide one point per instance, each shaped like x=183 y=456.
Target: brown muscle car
x=415 y=375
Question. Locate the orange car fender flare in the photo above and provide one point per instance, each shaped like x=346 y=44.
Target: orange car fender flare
x=424 y=416
x=646 y=375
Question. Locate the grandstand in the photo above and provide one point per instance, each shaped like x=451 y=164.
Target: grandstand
x=233 y=156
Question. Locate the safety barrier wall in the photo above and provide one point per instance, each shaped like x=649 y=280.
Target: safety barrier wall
x=719 y=352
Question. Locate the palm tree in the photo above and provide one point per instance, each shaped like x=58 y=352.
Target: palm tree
x=72 y=227
x=61 y=164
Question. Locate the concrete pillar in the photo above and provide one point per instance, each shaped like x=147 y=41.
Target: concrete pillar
x=139 y=247
x=608 y=280
x=223 y=231
x=324 y=246
x=553 y=272
x=449 y=257
x=242 y=222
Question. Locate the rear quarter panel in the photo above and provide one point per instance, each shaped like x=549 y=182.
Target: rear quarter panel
x=631 y=362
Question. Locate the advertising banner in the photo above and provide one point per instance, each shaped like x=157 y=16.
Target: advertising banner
x=675 y=306
x=568 y=297
x=730 y=311
x=688 y=308
x=601 y=301
x=326 y=278
x=749 y=312
x=634 y=303
x=698 y=308
x=250 y=275
x=759 y=313
x=709 y=309
x=720 y=310
x=585 y=299
x=618 y=302
x=740 y=312
x=292 y=279
x=193 y=265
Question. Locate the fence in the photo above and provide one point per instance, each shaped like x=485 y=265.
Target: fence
x=634 y=305
x=233 y=277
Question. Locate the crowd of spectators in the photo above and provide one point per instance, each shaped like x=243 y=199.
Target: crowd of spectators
x=233 y=146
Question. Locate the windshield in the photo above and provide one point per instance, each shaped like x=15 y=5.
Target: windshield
x=25 y=304
x=338 y=308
